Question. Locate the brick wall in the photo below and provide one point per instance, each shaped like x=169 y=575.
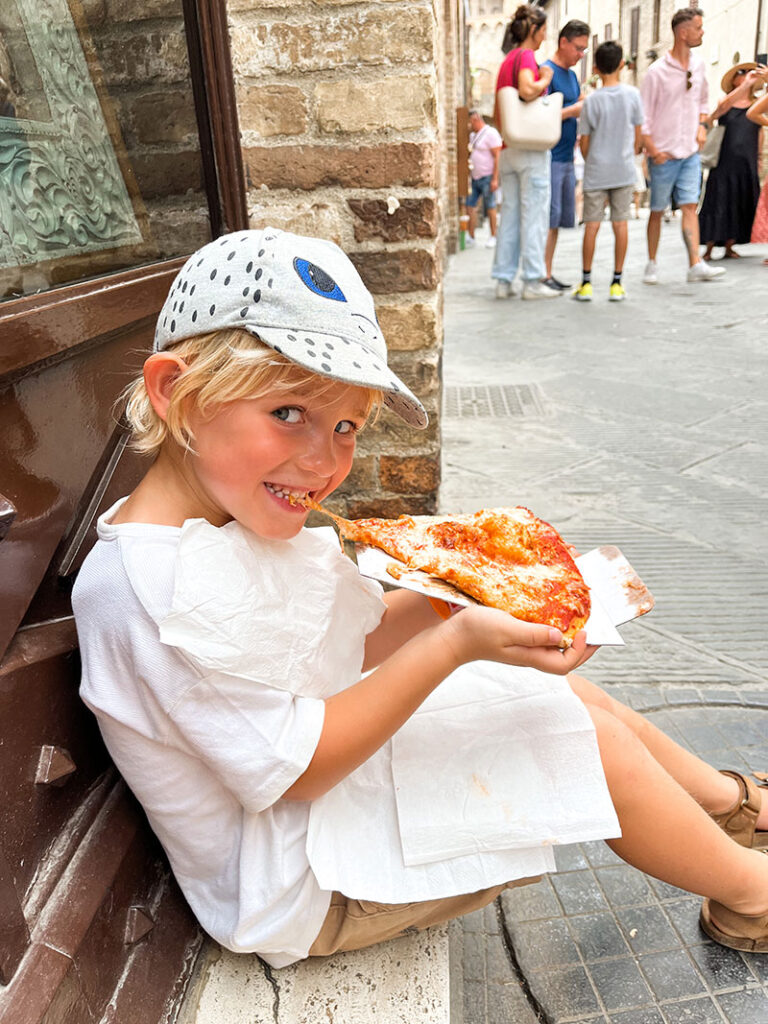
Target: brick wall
x=346 y=114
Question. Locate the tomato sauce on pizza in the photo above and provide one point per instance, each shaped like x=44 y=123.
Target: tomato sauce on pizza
x=505 y=558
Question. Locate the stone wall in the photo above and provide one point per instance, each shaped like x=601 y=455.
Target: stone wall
x=346 y=114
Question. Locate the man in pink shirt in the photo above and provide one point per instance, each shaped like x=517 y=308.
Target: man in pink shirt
x=675 y=101
x=484 y=148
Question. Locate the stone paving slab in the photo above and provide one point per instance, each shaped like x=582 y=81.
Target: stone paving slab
x=646 y=427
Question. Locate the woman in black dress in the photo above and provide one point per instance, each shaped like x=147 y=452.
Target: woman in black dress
x=733 y=187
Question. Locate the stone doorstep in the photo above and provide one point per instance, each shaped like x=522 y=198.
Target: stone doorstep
x=396 y=982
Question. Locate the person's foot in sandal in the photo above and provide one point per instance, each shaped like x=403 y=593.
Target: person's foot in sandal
x=737 y=931
x=740 y=821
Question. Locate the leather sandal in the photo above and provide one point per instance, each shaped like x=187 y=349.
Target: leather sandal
x=739 y=821
x=737 y=931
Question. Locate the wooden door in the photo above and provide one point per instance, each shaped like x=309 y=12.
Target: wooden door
x=118 y=156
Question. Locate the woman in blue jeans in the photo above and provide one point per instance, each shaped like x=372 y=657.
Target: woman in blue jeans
x=524 y=172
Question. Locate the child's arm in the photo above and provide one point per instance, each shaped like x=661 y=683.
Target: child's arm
x=407 y=615
x=360 y=719
x=638 y=138
x=584 y=145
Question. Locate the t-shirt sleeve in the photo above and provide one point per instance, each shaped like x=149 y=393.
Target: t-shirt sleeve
x=513 y=63
x=256 y=739
x=495 y=141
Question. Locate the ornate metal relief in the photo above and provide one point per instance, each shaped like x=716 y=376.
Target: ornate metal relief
x=62 y=191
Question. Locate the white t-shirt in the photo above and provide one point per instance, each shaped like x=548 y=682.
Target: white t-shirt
x=208 y=654
x=209 y=753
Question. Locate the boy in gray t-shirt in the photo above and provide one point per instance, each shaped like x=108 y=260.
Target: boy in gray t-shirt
x=610 y=125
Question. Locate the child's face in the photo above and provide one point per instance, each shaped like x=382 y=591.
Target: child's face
x=253 y=452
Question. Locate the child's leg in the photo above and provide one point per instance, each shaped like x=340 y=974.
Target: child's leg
x=715 y=792
x=620 y=235
x=665 y=833
x=591 y=228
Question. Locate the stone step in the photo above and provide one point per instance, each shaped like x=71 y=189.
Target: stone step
x=396 y=982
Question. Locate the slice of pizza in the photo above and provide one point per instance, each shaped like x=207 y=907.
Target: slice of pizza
x=506 y=558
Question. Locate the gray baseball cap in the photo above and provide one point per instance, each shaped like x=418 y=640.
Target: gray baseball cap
x=301 y=296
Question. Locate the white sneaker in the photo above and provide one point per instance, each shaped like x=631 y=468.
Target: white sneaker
x=504 y=289
x=538 y=290
x=469 y=242
x=491 y=243
x=702 y=271
x=651 y=275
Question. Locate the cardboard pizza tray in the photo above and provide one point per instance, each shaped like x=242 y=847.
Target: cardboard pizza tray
x=616 y=591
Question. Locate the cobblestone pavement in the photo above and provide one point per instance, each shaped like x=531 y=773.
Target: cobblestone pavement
x=645 y=425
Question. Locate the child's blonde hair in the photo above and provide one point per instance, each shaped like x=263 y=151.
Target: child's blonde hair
x=223 y=366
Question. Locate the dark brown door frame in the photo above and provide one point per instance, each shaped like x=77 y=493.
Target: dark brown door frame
x=38 y=331
x=35 y=319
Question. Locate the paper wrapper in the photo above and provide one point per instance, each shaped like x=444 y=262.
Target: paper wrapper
x=617 y=593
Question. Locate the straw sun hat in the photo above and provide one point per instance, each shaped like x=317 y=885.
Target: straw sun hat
x=726 y=82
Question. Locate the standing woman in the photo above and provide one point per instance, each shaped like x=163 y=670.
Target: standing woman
x=733 y=187
x=525 y=181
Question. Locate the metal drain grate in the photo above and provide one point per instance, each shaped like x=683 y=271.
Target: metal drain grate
x=479 y=401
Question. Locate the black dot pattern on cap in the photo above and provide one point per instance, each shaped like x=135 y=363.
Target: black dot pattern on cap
x=242 y=294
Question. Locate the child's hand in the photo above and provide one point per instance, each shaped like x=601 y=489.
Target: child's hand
x=487 y=634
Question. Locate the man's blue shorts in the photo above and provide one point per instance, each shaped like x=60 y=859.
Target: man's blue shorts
x=482 y=187
x=675 y=179
x=562 y=202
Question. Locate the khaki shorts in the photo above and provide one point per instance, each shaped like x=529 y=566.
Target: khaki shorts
x=619 y=199
x=355 y=924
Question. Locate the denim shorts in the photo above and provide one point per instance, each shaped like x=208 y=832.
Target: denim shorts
x=675 y=179
x=562 y=200
x=482 y=187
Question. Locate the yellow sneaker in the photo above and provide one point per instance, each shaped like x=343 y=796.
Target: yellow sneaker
x=584 y=293
x=616 y=293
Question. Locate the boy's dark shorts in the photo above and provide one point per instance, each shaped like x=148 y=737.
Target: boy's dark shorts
x=562 y=202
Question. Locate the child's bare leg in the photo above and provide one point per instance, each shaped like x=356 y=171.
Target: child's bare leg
x=620 y=235
x=591 y=229
x=665 y=833
x=715 y=792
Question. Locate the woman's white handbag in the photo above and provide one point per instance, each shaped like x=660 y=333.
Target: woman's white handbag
x=537 y=124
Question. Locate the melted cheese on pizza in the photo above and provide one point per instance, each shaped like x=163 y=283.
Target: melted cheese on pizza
x=506 y=558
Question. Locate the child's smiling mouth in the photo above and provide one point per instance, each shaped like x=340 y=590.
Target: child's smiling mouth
x=294 y=498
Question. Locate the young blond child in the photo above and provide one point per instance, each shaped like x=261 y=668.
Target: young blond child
x=610 y=124
x=327 y=765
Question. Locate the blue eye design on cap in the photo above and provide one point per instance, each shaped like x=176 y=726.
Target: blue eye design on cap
x=316 y=279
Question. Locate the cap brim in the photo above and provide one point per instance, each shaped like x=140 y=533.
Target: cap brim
x=342 y=359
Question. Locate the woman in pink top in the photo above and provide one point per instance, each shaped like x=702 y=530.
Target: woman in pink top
x=524 y=172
